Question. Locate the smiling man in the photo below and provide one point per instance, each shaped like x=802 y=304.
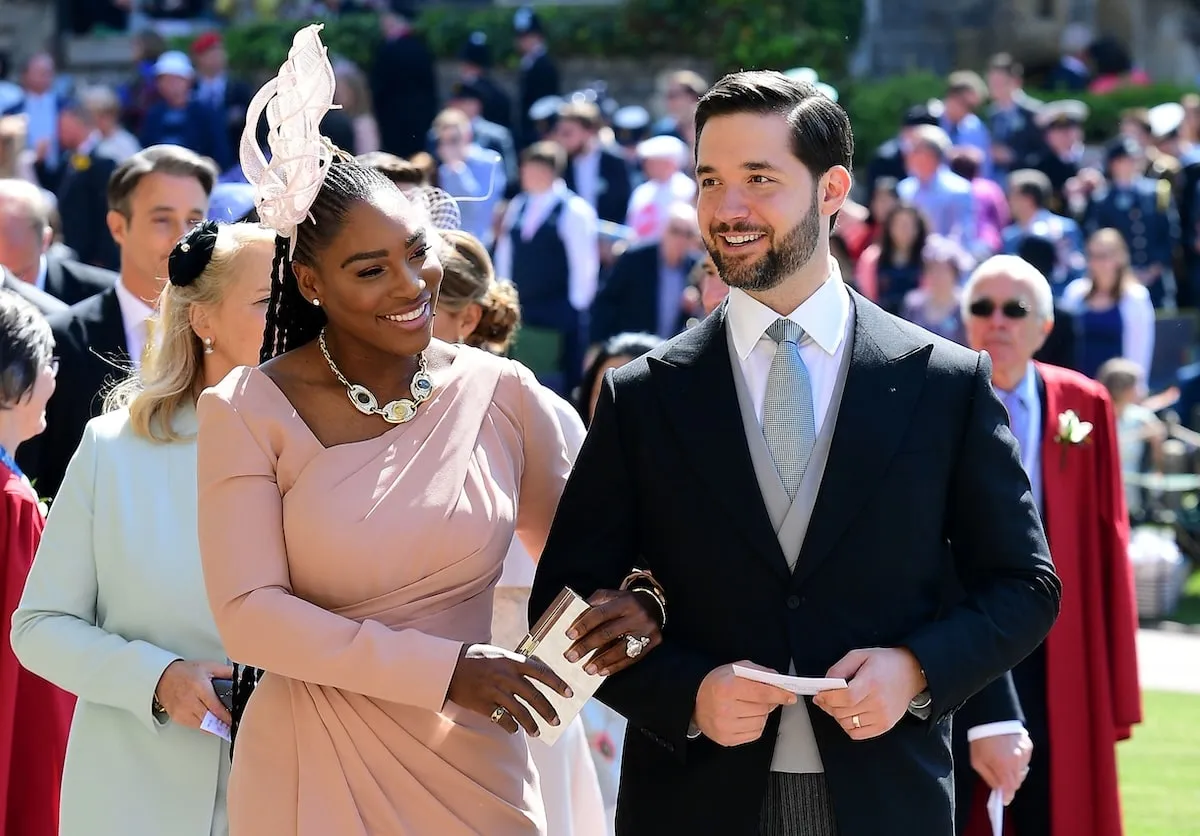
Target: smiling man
x=154 y=197
x=855 y=456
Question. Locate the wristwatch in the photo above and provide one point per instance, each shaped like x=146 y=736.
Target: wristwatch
x=156 y=708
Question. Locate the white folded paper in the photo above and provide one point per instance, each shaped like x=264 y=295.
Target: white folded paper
x=212 y=725
x=805 y=686
x=995 y=808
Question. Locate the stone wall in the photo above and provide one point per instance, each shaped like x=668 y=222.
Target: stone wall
x=26 y=26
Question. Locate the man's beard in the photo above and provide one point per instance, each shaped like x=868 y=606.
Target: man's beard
x=783 y=258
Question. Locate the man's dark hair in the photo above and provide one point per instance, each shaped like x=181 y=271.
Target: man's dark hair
x=1032 y=184
x=821 y=134
x=157 y=159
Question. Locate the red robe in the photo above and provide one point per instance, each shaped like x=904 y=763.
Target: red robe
x=35 y=716
x=1093 y=697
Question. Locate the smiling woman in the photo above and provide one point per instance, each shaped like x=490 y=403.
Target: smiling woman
x=377 y=477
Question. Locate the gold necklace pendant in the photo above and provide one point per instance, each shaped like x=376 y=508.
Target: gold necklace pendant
x=399 y=411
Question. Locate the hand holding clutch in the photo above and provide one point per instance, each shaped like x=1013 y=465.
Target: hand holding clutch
x=619 y=626
x=489 y=680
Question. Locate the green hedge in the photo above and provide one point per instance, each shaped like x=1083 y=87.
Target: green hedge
x=775 y=34
x=731 y=33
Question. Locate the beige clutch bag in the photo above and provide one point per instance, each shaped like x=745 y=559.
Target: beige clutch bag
x=547 y=642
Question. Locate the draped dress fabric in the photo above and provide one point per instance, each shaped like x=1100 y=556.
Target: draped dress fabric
x=353 y=575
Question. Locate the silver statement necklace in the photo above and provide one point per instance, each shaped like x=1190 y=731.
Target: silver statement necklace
x=399 y=411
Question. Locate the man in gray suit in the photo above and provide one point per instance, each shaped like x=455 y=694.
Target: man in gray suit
x=856 y=459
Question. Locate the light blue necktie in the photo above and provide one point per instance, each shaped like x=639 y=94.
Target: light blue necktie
x=1018 y=420
x=789 y=422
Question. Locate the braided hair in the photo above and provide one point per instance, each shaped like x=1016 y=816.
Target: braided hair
x=291 y=320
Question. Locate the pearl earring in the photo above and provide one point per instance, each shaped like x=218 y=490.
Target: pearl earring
x=208 y=345
x=316 y=302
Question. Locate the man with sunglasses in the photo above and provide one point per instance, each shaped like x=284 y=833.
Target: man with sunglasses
x=1077 y=694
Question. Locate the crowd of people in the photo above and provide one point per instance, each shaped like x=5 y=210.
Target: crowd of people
x=155 y=247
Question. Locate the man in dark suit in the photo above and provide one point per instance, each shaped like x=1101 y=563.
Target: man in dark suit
x=154 y=197
x=403 y=83
x=596 y=174
x=882 y=459
x=85 y=171
x=539 y=74
x=179 y=118
x=1011 y=116
x=25 y=247
x=475 y=69
x=644 y=290
x=44 y=302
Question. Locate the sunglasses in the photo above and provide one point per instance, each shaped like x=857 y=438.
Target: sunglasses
x=1012 y=309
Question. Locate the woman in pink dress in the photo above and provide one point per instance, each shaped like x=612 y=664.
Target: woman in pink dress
x=358 y=493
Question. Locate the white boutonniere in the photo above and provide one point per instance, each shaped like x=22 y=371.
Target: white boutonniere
x=1071 y=431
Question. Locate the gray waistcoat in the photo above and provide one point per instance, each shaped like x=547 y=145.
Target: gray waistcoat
x=795 y=748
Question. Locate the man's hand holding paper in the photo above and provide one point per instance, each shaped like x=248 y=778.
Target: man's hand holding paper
x=882 y=683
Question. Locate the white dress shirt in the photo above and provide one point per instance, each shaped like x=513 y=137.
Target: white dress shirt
x=825 y=318
x=134 y=315
x=578 y=228
x=586 y=168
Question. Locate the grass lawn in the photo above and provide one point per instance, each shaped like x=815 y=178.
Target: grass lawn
x=1160 y=767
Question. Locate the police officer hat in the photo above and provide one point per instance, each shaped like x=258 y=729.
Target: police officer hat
x=1120 y=148
x=1068 y=113
x=525 y=22
x=630 y=125
x=1165 y=119
x=921 y=114
x=544 y=112
x=476 y=51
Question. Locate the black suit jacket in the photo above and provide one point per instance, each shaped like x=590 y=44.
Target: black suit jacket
x=41 y=300
x=1059 y=347
x=616 y=185
x=90 y=343
x=627 y=299
x=921 y=459
x=83 y=206
x=73 y=282
x=538 y=80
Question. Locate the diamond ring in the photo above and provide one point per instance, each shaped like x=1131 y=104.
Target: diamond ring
x=857 y=722
x=499 y=713
x=635 y=646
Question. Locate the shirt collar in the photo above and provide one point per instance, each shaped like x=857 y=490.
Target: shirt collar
x=822 y=316
x=133 y=310
x=1026 y=388
x=43 y=270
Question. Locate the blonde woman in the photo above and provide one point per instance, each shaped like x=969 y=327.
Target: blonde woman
x=114 y=609
x=1114 y=316
x=477 y=309
x=474 y=307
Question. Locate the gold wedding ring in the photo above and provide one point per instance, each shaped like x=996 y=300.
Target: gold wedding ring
x=499 y=713
x=856 y=722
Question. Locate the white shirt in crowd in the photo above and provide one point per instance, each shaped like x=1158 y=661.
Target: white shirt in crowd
x=577 y=227
x=134 y=316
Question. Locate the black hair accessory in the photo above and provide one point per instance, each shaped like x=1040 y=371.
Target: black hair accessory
x=192 y=254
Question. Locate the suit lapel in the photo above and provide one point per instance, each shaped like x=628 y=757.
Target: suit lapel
x=106 y=329
x=698 y=395
x=883 y=384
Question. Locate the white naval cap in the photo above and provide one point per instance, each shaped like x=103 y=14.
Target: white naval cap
x=663 y=147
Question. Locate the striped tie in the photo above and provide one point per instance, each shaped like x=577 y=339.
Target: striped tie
x=789 y=421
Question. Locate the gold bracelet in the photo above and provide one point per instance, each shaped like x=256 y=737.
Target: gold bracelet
x=662 y=606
